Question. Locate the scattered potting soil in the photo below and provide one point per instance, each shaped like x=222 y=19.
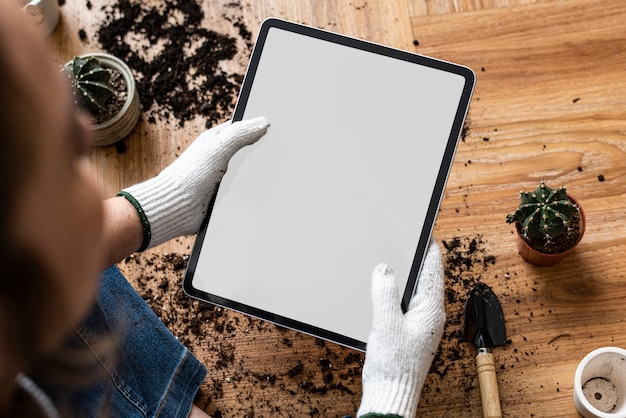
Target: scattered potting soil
x=176 y=61
x=239 y=351
x=465 y=261
x=465 y=130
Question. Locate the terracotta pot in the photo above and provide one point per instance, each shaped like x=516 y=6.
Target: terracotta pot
x=120 y=125
x=542 y=259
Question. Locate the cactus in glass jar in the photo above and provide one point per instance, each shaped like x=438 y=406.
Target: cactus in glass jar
x=544 y=214
x=91 y=83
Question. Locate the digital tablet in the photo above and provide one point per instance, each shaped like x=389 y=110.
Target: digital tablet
x=349 y=175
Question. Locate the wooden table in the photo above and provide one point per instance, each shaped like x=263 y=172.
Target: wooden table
x=549 y=104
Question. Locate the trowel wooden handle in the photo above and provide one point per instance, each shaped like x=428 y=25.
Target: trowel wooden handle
x=489 y=395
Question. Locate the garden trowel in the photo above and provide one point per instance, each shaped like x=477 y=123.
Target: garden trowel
x=484 y=327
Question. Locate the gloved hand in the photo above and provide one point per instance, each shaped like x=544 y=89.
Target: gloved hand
x=401 y=347
x=175 y=202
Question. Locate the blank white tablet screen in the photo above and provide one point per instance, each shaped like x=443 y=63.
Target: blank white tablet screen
x=342 y=181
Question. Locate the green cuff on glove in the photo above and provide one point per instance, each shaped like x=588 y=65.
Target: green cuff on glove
x=145 y=224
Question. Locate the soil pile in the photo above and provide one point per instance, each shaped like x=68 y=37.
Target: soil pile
x=266 y=370
x=176 y=61
x=465 y=261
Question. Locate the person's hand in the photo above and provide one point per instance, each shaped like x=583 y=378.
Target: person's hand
x=401 y=347
x=175 y=202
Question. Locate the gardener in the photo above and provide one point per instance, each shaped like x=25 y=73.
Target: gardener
x=57 y=234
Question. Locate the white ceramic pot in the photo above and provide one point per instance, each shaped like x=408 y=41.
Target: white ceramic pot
x=43 y=13
x=600 y=384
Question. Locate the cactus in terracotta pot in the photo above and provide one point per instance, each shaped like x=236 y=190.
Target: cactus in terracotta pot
x=549 y=221
x=544 y=213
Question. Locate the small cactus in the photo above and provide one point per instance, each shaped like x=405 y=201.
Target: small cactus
x=91 y=83
x=544 y=214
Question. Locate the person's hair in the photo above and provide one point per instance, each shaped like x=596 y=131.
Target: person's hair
x=27 y=290
x=23 y=285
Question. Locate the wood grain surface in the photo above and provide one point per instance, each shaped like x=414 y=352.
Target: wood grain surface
x=549 y=104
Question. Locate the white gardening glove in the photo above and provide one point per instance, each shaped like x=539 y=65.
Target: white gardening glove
x=175 y=202
x=401 y=347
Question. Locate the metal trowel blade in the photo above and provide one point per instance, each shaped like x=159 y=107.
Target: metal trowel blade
x=484 y=320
